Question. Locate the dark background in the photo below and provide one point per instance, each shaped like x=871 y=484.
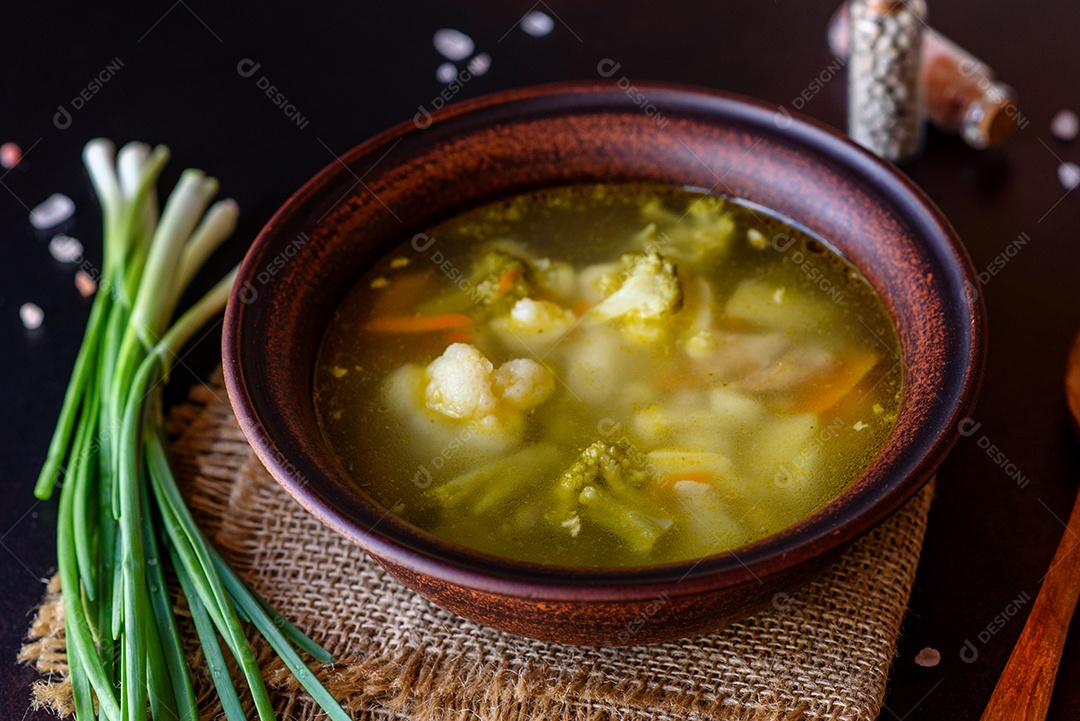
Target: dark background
x=352 y=71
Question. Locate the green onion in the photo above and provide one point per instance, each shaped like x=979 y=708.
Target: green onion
x=121 y=514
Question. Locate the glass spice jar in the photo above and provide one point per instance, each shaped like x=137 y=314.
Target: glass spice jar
x=885 y=112
x=961 y=92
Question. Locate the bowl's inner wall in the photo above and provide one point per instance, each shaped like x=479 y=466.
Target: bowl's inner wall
x=407 y=183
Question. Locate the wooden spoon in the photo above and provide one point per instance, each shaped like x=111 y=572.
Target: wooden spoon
x=1023 y=691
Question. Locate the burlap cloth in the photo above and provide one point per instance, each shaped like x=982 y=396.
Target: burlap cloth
x=822 y=653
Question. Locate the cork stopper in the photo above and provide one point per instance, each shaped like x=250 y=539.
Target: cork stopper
x=884 y=7
x=992 y=119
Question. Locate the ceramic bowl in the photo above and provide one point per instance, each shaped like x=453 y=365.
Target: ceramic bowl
x=419 y=173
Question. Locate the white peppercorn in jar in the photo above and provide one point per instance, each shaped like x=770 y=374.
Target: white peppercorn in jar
x=885 y=103
x=961 y=93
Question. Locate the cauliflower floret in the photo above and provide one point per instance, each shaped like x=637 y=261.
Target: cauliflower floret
x=431 y=432
x=540 y=315
x=649 y=293
x=459 y=383
x=523 y=383
x=534 y=325
x=462 y=398
x=462 y=384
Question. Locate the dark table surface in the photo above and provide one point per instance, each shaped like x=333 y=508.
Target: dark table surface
x=350 y=71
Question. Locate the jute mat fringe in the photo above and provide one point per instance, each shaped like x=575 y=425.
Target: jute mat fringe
x=822 y=654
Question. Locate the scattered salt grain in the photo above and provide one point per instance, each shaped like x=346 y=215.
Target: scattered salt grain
x=445 y=73
x=1069 y=175
x=65 y=249
x=54 y=210
x=860 y=426
x=928 y=657
x=87 y=286
x=380 y=282
x=480 y=64
x=10 y=155
x=1065 y=125
x=453 y=44
x=537 y=24
x=400 y=262
x=31 y=315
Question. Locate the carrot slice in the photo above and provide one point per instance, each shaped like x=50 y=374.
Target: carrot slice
x=506 y=281
x=403 y=293
x=831 y=389
x=417 y=323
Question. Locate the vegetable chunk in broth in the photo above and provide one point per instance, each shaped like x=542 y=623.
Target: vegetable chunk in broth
x=608 y=375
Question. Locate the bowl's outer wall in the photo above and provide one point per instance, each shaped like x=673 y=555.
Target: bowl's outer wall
x=412 y=177
x=661 y=617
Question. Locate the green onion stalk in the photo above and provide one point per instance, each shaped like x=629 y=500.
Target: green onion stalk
x=121 y=514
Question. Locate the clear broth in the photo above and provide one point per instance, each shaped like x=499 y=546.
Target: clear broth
x=766 y=393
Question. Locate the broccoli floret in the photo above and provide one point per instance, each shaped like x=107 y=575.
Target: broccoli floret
x=702 y=234
x=643 y=291
x=499 y=278
x=634 y=523
x=503 y=273
x=601 y=486
x=495 y=281
x=617 y=465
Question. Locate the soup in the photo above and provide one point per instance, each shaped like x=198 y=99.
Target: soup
x=608 y=375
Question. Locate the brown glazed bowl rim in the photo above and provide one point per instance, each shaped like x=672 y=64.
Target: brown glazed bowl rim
x=847 y=517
